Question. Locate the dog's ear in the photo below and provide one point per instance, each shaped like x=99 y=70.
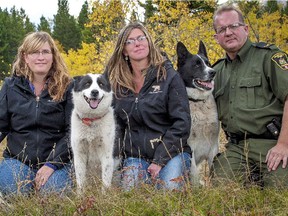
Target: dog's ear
x=104 y=79
x=181 y=53
x=202 y=49
x=76 y=80
x=106 y=74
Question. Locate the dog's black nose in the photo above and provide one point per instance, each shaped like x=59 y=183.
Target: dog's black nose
x=94 y=93
x=212 y=73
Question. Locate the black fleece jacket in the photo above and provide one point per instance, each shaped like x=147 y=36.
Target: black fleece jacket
x=37 y=130
x=155 y=124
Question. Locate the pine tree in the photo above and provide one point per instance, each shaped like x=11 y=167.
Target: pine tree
x=83 y=15
x=14 y=25
x=272 y=6
x=285 y=8
x=66 y=29
x=149 y=7
x=44 y=25
x=29 y=26
x=83 y=19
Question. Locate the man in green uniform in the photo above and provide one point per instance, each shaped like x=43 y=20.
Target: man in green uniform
x=251 y=89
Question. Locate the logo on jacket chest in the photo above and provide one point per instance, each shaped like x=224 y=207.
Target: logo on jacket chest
x=156 y=89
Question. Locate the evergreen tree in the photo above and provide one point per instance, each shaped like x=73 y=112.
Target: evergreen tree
x=200 y=6
x=17 y=29
x=83 y=15
x=285 y=8
x=149 y=8
x=66 y=29
x=271 y=7
x=83 y=19
x=44 y=25
x=4 y=43
x=29 y=26
x=14 y=25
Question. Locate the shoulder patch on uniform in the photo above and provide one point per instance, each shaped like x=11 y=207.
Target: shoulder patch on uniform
x=281 y=60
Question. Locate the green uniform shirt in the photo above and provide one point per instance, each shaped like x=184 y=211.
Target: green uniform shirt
x=250 y=90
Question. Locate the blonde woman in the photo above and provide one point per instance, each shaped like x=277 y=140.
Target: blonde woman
x=152 y=110
x=35 y=109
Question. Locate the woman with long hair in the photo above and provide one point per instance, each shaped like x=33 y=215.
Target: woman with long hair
x=152 y=112
x=35 y=110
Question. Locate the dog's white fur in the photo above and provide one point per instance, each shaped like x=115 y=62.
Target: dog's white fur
x=93 y=144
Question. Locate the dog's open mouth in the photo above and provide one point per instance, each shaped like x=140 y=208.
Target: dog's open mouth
x=203 y=85
x=93 y=102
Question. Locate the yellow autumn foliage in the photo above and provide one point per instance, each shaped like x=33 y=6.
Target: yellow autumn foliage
x=172 y=23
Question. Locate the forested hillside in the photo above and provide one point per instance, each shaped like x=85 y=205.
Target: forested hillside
x=86 y=41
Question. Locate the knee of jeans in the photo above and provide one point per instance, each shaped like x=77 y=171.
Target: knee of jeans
x=15 y=177
x=53 y=186
x=133 y=172
x=59 y=181
x=21 y=187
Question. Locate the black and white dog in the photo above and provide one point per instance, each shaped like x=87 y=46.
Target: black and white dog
x=92 y=129
x=198 y=78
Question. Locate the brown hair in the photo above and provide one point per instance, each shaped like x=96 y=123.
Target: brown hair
x=120 y=74
x=227 y=8
x=59 y=78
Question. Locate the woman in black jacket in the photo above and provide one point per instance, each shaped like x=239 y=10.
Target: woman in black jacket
x=152 y=112
x=35 y=109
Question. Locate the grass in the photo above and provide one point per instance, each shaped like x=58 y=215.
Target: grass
x=228 y=199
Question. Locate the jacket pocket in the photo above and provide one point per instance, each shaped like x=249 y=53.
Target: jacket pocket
x=250 y=90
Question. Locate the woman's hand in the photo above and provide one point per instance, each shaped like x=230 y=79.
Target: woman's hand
x=154 y=170
x=42 y=176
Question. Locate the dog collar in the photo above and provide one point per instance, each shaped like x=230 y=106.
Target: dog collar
x=88 y=121
x=196 y=100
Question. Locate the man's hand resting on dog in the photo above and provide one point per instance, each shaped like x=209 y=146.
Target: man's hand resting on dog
x=42 y=176
x=154 y=170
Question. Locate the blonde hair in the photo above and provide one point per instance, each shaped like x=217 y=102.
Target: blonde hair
x=227 y=8
x=58 y=76
x=118 y=68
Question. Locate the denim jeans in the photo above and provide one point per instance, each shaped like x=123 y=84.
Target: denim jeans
x=171 y=176
x=18 y=178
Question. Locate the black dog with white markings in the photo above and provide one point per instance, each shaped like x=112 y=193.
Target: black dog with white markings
x=198 y=77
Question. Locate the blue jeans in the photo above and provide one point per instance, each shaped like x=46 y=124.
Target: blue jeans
x=171 y=176
x=18 y=178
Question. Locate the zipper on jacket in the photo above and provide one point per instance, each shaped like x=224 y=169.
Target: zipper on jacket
x=136 y=102
x=37 y=100
x=36 y=122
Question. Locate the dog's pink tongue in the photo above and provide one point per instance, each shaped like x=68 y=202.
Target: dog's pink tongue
x=210 y=85
x=93 y=103
x=207 y=84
